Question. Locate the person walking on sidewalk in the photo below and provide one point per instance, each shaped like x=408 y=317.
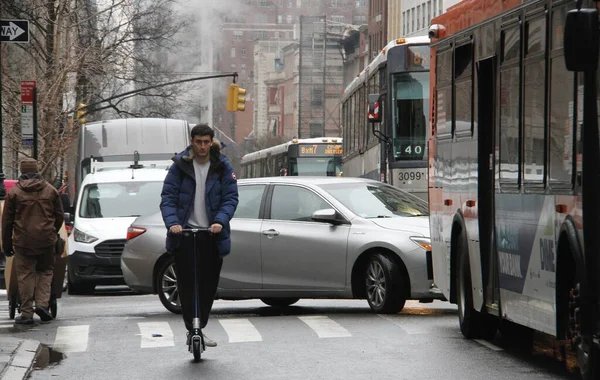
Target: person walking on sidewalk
x=31 y=220
x=200 y=190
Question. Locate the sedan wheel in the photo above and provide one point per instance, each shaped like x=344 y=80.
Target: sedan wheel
x=168 y=293
x=385 y=283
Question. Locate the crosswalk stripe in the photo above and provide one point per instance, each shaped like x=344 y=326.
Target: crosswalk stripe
x=489 y=345
x=156 y=334
x=240 y=330
x=406 y=325
x=325 y=327
x=72 y=338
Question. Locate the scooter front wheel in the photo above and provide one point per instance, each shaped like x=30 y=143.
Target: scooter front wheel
x=197 y=349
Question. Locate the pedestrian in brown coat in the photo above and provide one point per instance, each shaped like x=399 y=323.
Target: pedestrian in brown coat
x=32 y=217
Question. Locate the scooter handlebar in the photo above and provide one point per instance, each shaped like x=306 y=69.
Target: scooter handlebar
x=194 y=230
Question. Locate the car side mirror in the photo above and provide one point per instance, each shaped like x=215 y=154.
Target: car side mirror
x=68 y=221
x=327 y=215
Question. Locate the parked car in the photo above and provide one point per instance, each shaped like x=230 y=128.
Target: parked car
x=107 y=204
x=305 y=237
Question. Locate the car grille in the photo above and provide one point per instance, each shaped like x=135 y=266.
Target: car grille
x=110 y=248
x=104 y=271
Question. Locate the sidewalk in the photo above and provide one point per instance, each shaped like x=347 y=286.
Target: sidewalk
x=16 y=355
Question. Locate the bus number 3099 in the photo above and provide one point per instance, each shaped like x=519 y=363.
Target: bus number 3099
x=411 y=176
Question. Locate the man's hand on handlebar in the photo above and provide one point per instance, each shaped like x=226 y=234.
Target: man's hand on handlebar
x=176 y=229
x=215 y=228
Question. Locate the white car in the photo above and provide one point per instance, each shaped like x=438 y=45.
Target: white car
x=108 y=202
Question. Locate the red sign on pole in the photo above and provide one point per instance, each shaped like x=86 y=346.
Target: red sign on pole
x=27 y=87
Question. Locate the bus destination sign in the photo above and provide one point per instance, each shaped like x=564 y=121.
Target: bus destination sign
x=320 y=150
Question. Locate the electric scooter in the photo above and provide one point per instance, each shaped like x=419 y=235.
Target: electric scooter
x=196 y=340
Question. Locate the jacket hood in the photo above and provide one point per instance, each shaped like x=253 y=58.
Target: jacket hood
x=31 y=182
x=188 y=153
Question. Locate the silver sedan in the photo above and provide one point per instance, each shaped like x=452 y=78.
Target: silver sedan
x=299 y=237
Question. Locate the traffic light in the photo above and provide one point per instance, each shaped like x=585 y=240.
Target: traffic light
x=81 y=113
x=236 y=98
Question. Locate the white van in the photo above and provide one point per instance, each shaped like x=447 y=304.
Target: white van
x=109 y=201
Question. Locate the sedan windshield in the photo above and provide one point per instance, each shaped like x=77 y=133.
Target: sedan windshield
x=370 y=200
x=120 y=199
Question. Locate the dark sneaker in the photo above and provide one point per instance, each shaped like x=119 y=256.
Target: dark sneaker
x=209 y=342
x=21 y=320
x=43 y=313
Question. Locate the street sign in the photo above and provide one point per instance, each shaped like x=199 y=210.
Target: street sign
x=27 y=124
x=14 y=31
x=27 y=87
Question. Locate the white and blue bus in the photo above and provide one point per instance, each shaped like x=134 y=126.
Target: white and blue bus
x=390 y=142
x=320 y=156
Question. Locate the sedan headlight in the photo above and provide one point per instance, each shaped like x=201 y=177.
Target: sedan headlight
x=82 y=237
x=422 y=242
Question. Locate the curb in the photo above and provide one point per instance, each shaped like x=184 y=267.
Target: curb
x=22 y=361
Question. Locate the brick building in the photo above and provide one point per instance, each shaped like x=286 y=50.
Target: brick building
x=265 y=20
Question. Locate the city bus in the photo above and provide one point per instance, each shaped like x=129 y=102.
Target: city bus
x=389 y=142
x=513 y=170
x=319 y=156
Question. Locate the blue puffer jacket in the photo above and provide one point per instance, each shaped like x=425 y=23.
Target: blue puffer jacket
x=179 y=191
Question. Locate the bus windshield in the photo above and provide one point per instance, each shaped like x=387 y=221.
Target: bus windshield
x=410 y=112
x=316 y=166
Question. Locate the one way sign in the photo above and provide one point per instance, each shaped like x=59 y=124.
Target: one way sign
x=14 y=31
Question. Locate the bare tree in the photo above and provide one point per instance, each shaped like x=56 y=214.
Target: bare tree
x=83 y=51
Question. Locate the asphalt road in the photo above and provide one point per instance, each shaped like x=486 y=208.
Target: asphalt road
x=118 y=335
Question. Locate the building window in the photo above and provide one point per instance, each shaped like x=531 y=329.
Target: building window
x=233 y=67
x=434 y=8
x=232 y=54
x=440 y=7
x=238 y=35
x=316 y=99
x=334 y=3
x=299 y=3
x=316 y=130
x=290 y=3
x=280 y=19
x=418 y=17
x=243 y=70
x=337 y=19
x=361 y=3
x=244 y=53
x=359 y=20
x=288 y=19
x=429 y=11
x=412 y=20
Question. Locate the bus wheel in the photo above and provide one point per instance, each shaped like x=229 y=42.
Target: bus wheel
x=586 y=350
x=472 y=323
x=384 y=285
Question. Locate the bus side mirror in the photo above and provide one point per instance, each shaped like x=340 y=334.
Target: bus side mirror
x=581 y=40
x=374 y=115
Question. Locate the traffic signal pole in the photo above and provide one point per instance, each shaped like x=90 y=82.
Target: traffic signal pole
x=133 y=92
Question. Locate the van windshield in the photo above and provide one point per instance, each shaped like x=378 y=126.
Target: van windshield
x=120 y=199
